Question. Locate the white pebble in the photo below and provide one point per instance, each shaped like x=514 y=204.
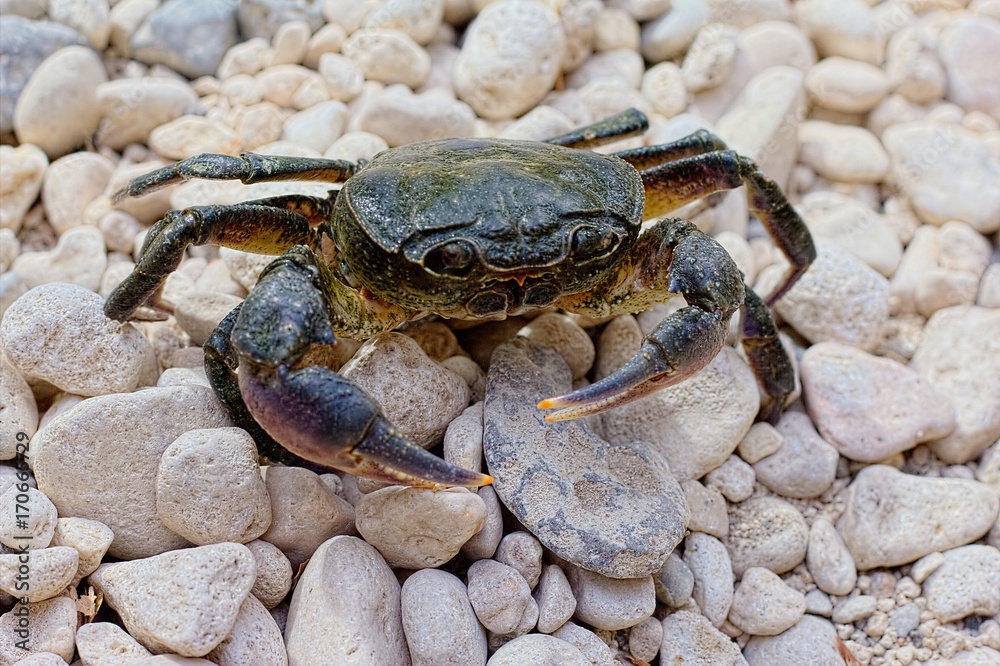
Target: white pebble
x=440 y=625
x=610 y=603
x=764 y=605
x=274 y=573
x=49 y=572
x=804 y=466
x=766 y=532
x=28 y=518
x=132 y=108
x=828 y=559
x=842 y=28
x=188 y=136
x=556 y=603
x=400 y=117
x=90 y=538
x=77 y=259
x=842 y=153
x=842 y=84
x=966 y=583
x=104 y=642
x=389 y=56
x=670 y=35
x=20 y=412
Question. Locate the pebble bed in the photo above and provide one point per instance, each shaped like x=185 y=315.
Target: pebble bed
x=863 y=528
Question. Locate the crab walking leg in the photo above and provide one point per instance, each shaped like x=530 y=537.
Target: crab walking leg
x=630 y=122
x=312 y=411
x=248 y=168
x=766 y=355
x=265 y=226
x=671 y=258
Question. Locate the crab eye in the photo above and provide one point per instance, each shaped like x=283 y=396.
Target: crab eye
x=591 y=243
x=453 y=258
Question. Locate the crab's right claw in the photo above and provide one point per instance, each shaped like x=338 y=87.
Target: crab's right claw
x=319 y=415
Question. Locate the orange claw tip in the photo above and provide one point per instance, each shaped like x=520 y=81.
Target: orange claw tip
x=546 y=404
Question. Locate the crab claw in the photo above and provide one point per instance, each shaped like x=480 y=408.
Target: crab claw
x=680 y=346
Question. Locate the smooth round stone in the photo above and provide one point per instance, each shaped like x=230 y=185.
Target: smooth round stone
x=968 y=46
x=499 y=595
x=854 y=609
x=71 y=183
x=853 y=225
x=417 y=528
x=884 y=408
x=805 y=465
x=708 y=508
x=766 y=532
x=670 y=35
x=829 y=561
x=842 y=84
x=188 y=36
x=132 y=108
x=811 y=641
x=521 y=551
x=764 y=605
x=538 y=649
x=622 y=510
x=709 y=563
x=254 y=639
x=892 y=518
x=689 y=638
x=966 y=583
x=53 y=623
x=439 y=622
x=89 y=538
x=484 y=543
x=362 y=626
x=674 y=582
x=103 y=642
x=734 y=478
x=644 y=639
x=78 y=258
x=554 y=596
x=24 y=170
x=389 y=56
x=563 y=334
x=587 y=642
x=399 y=116
x=611 y=604
x=843 y=28
x=842 y=153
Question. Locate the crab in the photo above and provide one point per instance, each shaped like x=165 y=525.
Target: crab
x=467 y=229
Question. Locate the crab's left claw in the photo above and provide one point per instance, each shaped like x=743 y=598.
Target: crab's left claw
x=681 y=345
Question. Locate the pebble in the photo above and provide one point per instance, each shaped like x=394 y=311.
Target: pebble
x=90 y=18
x=554 y=596
x=254 y=639
x=51 y=626
x=609 y=603
x=670 y=35
x=805 y=465
x=189 y=135
x=829 y=561
x=854 y=609
x=811 y=641
x=958 y=353
x=707 y=507
x=49 y=572
x=624 y=65
x=24 y=168
x=209 y=489
x=842 y=153
x=57 y=110
x=945 y=170
x=840 y=219
x=696 y=424
x=850 y=86
x=198 y=313
x=510 y=58
x=664 y=87
x=20 y=413
x=439 y=622
x=207 y=587
x=587 y=642
x=847 y=29
x=521 y=551
x=615 y=29
x=912 y=66
x=966 y=47
x=388 y=56
x=463 y=440
x=146 y=209
x=81 y=465
x=499 y=595
x=989 y=288
x=344 y=80
x=35 y=532
x=622 y=510
x=538 y=649
x=709 y=60
x=709 y=563
x=925 y=566
x=886 y=409
x=839 y=298
x=274 y=573
x=484 y=543
x=318 y=126
x=764 y=605
x=263 y=18
x=734 y=479
x=71 y=183
x=563 y=334
x=25 y=44
x=305 y=512
x=967 y=583
x=132 y=108
x=892 y=518
x=674 y=582
x=644 y=639
x=766 y=532
x=399 y=116
x=89 y=538
x=290 y=42
x=690 y=638
x=291 y=86
x=818 y=603
x=417 y=528
x=104 y=643
x=188 y=36
x=77 y=259
x=93 y=356
x=419 y=396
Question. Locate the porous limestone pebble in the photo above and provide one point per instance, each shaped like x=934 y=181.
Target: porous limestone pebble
x=854 y=608
x=804 y=466
x=511 y=56
x=208 y=585
x=438 y=620
x=198 y=313
x=51 y=627
x=521 y=551
x=892 y=518
x=663 y=85
x=254 y=639
x=608 y=603
x=105 y=643
x=829 y=561
x=57 y=110
x=623 y=511
x=959 y=353
x=417 y=528
x=853 y=225
x=846 y=85
x=842 y=153
x=86 y=472
x=587 y=642
x=707 y=559
x=563 y=334
x=945 y=171
x=538 y=649
x=274 y=573
x=209 y=488
x=305 y=512
x=839 y=298
x=463 y=440
x=78 y=258
x=966 y=583
x=499 y=595
x=90 y=538
x=644 y=639
x=674 y=582
x=811 y=641
x=707 y=508
x=389 y=56
x=190 y=135
x=766 y=532
x=363 y=627
x=695 y=424
x=419 y=396
x=734 y=478
x=49 y=572
x=764 y=605
x=883 y=409
x=556 y=603
x=484 y=543
x=32 y=531
x=18 y=407
x=689 y=637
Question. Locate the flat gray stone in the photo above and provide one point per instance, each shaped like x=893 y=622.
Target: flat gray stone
x=613 y=509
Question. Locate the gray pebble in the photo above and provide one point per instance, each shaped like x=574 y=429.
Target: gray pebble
x=764 y=605
x=707 y=507
x=622 y=510
x=766 y=532
x=521 y=551
x=804 y=466
x=818 y=603
x=967 y=583
x=463 y=440
x=712 y=570
x=587 y=642
x=674 y=582
x=556 y=603
x=484 y=543
x=440 y=625
x=538 y=649
x=854 y=609
x=689 y=638
x=611 y=603
x=733 y=478
x=828 y=559
x=498 y=594
x=262 y=18
x=188 y=36
x=759 y=443
x=644 y=639
x=812 y=641
x=905 y=619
